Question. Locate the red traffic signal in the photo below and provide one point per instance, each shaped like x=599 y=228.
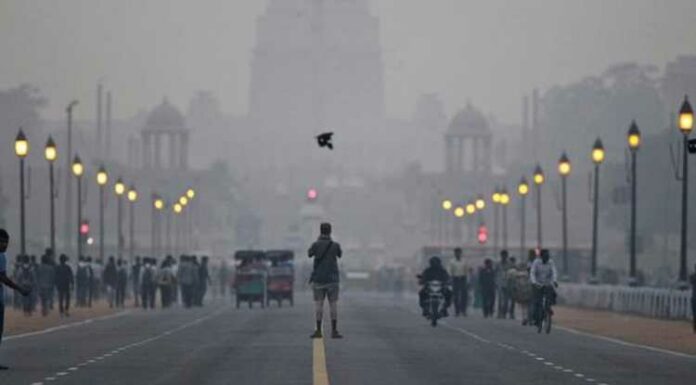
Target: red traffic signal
x=84 y=227
x=312 y=194
x=482 y=234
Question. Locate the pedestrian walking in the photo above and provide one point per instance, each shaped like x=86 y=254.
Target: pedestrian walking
x=187 y=277
x=82 y=281
x=500 y=284
x=97 y=284
x=509 y=286
x=165 y=280
x=110 y=279
x=46 y=277
x=27 y=278
x=121 y=282
x=64 y=284
x=459 y=271
x=487 y=286
x=203 y=280
x=223 y=278
x=135 y=280
x=531 y=257
x=6 y=281
x=148 y=287
x=325 y=278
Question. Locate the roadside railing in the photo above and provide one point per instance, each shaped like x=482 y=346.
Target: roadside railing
x=649 y=302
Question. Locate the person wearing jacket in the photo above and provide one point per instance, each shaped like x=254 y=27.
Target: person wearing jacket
x=46 y=276
x=64 y=285
x=435 y=272
x=325 y=278
x=487 y=284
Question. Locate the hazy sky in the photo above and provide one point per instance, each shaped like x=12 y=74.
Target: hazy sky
x=486 y=51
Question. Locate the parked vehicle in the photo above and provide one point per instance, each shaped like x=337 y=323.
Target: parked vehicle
x=250 y=277
x=281 y=277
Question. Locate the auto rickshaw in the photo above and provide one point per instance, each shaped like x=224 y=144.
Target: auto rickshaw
x=281 y=277
x=250 y=277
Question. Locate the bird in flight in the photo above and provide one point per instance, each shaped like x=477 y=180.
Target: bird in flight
x=324 y=140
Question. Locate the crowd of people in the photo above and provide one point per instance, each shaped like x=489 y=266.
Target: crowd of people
x=497 y=287
x=185 y=280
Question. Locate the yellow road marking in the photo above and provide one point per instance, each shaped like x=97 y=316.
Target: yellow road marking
x=321 y=375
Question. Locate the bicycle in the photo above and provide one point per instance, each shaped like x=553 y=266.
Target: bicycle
x=545 y=313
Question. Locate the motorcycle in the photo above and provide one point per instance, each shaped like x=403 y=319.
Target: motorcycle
x=435 y=300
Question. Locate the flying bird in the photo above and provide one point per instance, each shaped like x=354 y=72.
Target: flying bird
x=324 y=140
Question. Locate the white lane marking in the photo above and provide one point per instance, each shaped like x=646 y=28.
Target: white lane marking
x=72 y=369
x=624 y=343
x=66 y=326
x=579 y=375
x=568 y=370
x=37 y=383
x=468 y=333
x=590 y=379
x=548 y=363
x=558 y=367
x=49 y=379
x=61 y=374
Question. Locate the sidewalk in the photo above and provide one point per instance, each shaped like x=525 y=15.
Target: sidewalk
x=677 y=336
x=17 y=323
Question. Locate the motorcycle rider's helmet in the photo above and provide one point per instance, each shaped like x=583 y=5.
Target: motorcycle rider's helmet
x=435 y=261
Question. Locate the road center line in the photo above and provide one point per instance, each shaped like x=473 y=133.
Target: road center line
x=320 y=373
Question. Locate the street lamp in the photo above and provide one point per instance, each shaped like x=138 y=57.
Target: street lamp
x=495 y=197
x=538 y=182
x=51 y=154
x=102 y=179
x=523 y=190
x=190 y=193
x=480 y=203
x=633 y=145
x=686 y=125
x=505 y=201
x=157 y=206
x=470 y=208
x=564 y=169
x=459 y=212
x=178 y=208
x=78 y=169
x=22 y=150
x=119 y=189
x=447 y=205
x=183 y=201
x=67 y=223
x=132 y=198
x=597 y=159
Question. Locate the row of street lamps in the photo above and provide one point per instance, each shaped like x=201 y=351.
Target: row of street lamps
x=22 y=149
x=500 y=197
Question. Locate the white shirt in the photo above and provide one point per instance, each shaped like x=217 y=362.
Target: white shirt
x=458 y=268
x=543 y=274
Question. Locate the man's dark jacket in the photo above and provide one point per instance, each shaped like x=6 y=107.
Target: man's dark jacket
x=326 y=253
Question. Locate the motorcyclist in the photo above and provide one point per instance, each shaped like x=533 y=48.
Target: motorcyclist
x=544 y=277
x=435 y=272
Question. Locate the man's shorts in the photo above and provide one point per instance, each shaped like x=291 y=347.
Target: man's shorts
x=325 y=290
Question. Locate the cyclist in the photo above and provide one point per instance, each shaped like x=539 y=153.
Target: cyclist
x=544 y=278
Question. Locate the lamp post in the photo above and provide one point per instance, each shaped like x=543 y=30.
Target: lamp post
x=102 y=179
x=495 y=198
x=119 y=189
x=446 y=206
x=538 y=182
x=190 y=216
x=157 y=206
x=178 y=208
x=633 y=145
x=183 y=202
x=22 y=150
x=50 y=153
x=564 y=169
x=77 y=170
x=470 y=210
x=132 y=198
x=686 y=124
x=597 y=159
x=505 y=201
x=523 y=190
x=67 y=223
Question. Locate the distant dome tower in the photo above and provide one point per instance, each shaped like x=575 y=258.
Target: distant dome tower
x=468 y=130
x=165 y=120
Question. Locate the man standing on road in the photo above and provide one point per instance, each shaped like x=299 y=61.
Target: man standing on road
x=693 y=297
x=325 y=278
x=5 y=281
x=64 y=284
x=459 y=272
x=486 y=279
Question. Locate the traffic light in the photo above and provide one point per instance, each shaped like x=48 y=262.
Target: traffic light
x=482 y=234
x=312 y=194
x=84 y=227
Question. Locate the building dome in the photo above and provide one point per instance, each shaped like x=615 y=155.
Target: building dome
x=166 y=116
x=469 y=120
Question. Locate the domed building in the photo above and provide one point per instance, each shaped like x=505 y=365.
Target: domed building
x=468 y=143
x=165 y=124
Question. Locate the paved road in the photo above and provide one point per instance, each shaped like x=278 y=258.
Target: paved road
x=386 y=343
